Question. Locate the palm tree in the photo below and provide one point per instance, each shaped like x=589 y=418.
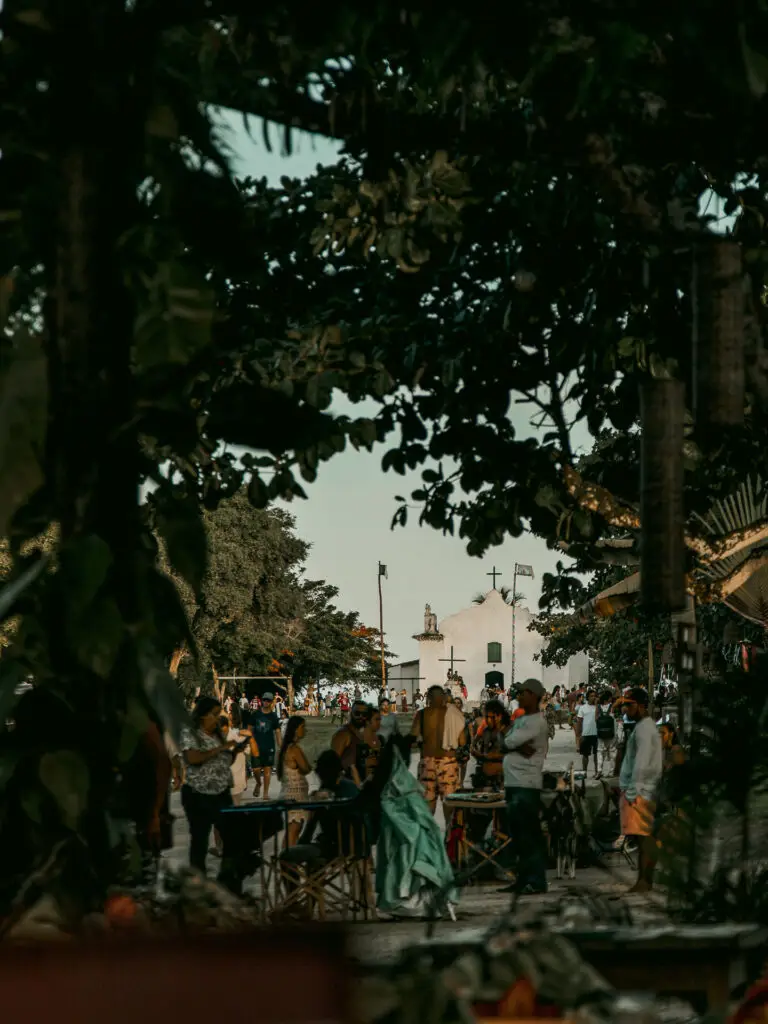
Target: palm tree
x=506 y=593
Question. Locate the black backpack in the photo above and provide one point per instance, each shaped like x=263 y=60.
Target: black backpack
x=606 y=725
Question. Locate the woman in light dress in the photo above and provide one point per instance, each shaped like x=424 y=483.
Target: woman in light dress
x=292 y=770
x=237 y=732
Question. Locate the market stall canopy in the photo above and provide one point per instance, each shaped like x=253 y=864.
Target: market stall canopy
x=730 y=548
x=615 y=599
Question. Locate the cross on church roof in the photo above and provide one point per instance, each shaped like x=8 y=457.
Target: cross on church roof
x=495 y=573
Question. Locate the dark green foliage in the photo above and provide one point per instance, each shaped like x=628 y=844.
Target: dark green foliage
x=255 y=612
x=718 y=796
x=512 y=222
x=617 y=646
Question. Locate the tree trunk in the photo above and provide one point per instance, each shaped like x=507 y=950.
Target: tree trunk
x=718 y=333
x=98 y=609
x=662 y=554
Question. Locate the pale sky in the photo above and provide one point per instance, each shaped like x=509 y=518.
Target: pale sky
x=350 y=506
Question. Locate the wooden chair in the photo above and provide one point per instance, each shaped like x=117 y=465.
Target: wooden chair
x=310 y=886
x=329 y=877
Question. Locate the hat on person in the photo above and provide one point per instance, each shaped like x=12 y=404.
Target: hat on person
x=637 y=695
x=534 y=685
x=267 y=697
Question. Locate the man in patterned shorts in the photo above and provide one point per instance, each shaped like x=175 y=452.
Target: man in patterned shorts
x=440 y=728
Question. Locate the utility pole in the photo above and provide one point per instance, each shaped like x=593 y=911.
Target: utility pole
x=382 y=572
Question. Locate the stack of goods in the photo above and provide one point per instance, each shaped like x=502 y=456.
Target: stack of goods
x=186 y=904
x=504 y=973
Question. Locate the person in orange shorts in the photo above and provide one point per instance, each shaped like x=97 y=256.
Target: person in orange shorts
x=639 y=781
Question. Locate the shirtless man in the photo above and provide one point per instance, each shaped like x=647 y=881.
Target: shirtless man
x=439 y=771
x=347 y=740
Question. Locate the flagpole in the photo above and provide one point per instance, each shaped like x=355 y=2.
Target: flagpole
x=522 y=570
x=514 y=604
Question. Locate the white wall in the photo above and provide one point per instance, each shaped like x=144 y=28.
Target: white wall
x=470 y=631
x=404 y=671
x=578 y=669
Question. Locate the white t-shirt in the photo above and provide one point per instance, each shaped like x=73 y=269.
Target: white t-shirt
x=587 y=714
x=526 y=772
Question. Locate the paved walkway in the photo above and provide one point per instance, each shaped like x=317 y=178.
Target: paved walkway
x=479 y=903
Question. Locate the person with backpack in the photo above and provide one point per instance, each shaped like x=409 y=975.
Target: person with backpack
x=605 y=722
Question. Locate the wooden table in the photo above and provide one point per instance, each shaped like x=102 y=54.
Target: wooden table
x=271 y=878
x=701 y=963
x=460 y=803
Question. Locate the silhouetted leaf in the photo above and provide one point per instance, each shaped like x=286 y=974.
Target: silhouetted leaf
x=65 y=775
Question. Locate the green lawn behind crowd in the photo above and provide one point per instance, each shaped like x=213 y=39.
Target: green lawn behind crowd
x=320 y=730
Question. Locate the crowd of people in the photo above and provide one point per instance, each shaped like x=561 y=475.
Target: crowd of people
x=508 y=736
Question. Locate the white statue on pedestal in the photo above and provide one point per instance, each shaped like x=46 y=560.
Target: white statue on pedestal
x=430 y=620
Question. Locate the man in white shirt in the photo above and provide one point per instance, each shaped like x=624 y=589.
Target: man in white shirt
x=639 y=780
x=586 y=730
x=526 y=745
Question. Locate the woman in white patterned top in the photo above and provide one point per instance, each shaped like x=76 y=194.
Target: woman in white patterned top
x=206 y=790
x=292 y=770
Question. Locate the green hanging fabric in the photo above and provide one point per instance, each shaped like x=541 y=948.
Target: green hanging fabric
x=414 y=877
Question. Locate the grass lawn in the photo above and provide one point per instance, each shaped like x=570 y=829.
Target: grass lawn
x=320 y=730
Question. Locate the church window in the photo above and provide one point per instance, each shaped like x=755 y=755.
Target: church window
x=494 y=652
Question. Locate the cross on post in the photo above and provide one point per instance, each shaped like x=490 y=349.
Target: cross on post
x=494 y=574
x=452 y=659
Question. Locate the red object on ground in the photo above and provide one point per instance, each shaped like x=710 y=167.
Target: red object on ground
x=518 y=1001
x=452 y=844
x=753 y=1009
x=119 y=909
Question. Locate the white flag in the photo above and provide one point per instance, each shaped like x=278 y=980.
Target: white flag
x=524 y=570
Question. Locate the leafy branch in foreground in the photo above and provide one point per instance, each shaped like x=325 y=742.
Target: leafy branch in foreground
x=155 y=310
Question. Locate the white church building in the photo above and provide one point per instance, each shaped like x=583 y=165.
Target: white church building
x=477 y=643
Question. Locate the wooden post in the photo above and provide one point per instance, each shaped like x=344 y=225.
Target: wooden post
x=289 y=688
x=662 y=553
x=216 y=686
x=381 y=633
x=718 y=333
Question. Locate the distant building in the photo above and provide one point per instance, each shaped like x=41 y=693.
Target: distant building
x=405 y=677
x=481 y=638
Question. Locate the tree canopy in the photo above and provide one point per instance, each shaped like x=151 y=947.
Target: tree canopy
x=257 y=613
x=514 y=220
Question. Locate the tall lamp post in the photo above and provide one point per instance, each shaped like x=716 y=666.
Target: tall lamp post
x=520 y=570
x=382 y=572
